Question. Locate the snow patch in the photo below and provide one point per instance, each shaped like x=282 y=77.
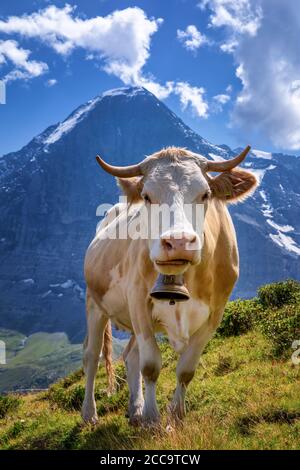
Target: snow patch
x=66 y=285
x=43 y=296
x=67 y=125
x=260 y=173
x=284 y=241
x=215 y=147
x=28 y=281
x=124 y=91
x=216 y=158
x=70 y=284
x=248 y=220
x=281 y=239
x=262 y=154
x=266 y=208
x=281 y=228
x=263 y=195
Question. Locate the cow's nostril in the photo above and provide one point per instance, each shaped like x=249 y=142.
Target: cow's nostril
x=167 y=244
x=193 y=239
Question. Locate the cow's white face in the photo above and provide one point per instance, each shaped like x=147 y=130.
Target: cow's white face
x=175 y=194
x=178 y=180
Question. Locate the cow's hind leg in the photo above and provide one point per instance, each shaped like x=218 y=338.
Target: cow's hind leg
x=96 y=323
x=134 y=379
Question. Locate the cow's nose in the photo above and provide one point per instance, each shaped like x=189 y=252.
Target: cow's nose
x=175 y=243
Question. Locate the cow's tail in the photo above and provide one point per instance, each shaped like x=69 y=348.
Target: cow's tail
x=107 y=354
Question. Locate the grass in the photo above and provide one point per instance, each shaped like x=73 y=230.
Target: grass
x=245 y=394
x=242 y=397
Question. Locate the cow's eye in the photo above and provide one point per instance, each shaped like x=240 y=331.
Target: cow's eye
x=205 y=196
x=147 y=198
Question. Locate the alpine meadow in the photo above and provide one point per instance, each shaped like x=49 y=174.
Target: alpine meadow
x=149 y=231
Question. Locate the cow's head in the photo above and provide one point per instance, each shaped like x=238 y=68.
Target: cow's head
x=179 y=179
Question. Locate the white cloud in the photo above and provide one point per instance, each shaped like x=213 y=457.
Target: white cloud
x=161 y=91
x=219 y=101
x=18 y=57
x=268 y=65
x=51 y=82
x=229 y=46
x=191 y=38
x=192 y=97
x=222 y=98
x=121 y=40
x=238 y=15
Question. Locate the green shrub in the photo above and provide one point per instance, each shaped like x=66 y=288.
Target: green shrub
x=279 y=293
x=8 y=404
x=239 y=317
x=73 y=378
x=68 y=399
x=282 y=327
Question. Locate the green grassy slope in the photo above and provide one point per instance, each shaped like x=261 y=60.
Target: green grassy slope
x=241 y=397
x=245 y=394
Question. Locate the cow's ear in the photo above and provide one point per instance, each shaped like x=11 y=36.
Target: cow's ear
x=234 y=185
x=132 y=188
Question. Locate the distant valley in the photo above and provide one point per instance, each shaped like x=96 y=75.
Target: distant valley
x=40 y=359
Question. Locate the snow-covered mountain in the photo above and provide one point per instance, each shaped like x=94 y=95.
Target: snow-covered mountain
x=50 y=190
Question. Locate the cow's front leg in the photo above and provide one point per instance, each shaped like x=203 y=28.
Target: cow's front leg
x=149 y=354
x=150 y=365
x=186 y=368
x=134 y=379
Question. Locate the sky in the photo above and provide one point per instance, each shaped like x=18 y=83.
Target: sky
x=230 y=69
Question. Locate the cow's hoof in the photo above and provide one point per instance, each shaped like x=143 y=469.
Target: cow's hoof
x=93 y=420
x=176 y=414
x=152 y=423
x=135 y=420
x=135 y=413
x=89 y=414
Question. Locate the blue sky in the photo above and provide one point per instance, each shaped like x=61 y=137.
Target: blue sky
x=230 y=69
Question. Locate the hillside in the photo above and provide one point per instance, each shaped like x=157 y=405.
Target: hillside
x=245 y=394
x=40 y=359
x=50 y=190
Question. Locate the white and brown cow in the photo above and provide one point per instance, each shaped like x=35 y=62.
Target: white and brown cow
x=120 y=273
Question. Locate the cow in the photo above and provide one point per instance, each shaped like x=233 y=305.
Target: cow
x=120 y=273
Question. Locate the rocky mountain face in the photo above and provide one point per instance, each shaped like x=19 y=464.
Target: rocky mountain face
x=50 y=190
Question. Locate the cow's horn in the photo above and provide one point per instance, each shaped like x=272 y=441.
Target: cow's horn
x=228 y=164
x=120 y=171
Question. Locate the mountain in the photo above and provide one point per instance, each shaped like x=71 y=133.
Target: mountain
x=50 y=190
